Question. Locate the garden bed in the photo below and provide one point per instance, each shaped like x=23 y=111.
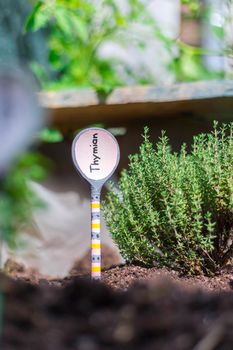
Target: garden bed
x=124 y=277
x=75 y=313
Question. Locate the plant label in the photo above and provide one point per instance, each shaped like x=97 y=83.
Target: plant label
x=96 y=154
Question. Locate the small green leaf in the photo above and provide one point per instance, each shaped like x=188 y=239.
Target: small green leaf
x=38 y=18
x=40 y=73
x=63 y=20
x=219 y=31
x=50 y=135
x=120 y=20
x=81 y=27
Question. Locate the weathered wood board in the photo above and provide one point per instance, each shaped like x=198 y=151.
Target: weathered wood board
x=78 y=108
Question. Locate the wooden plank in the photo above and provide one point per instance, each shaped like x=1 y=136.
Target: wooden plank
x=77 y=108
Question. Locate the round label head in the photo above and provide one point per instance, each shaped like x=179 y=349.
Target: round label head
x=95 y=154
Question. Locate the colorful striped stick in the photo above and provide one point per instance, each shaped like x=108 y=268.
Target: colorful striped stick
x=95 y=234
x=96 y=155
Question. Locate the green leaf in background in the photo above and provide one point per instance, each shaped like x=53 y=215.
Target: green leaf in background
x=78 y=30
x=50 y=135
x=38 y=18
x=194 y=5
x=219 y=31
x=62 y=17
x=39 y=73
x=17 y=200
x=81 y=27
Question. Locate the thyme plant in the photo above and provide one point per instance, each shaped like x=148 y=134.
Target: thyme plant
x=176 y=209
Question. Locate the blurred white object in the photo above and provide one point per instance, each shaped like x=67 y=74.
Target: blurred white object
x=20 y=116
x=228 y=25
x=210 y=41
x=153 y=60
x=59 y=235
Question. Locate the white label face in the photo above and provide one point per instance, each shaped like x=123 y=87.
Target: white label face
x=96 y=153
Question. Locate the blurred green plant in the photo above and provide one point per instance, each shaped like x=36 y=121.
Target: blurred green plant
x=50 y=135
x=77 y=29
x=195 y=6
x=176 y=209
x=188 y=64
x=17 y=200
x=186 y=61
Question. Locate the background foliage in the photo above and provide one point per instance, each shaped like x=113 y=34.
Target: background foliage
x=17 y=200
x=177 y=209
x=77 y=29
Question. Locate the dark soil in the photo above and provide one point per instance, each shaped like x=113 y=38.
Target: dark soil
x=123 y=277
x=150 y=315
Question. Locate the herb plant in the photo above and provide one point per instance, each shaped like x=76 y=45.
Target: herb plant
x=176 y=209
